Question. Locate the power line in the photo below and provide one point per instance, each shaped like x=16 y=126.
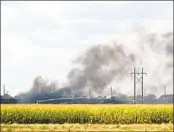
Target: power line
x=140 y=80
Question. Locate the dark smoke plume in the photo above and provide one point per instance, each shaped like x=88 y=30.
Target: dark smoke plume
x=101 y=65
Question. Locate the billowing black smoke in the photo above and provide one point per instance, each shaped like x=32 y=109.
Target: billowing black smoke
x=100 y=65
x=43 y=90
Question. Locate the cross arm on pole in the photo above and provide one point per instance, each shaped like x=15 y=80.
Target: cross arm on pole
x=132 y=73
x=141 y=73
x=138 y=73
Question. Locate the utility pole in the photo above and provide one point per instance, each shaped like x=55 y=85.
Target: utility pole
x=4 y=90
x=165 y=92
x=138 y=80
x=134 y=84
x=111 y=89
x=142 y=84
x=54 y=88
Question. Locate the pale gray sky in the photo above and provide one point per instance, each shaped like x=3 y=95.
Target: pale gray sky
x=43 y=38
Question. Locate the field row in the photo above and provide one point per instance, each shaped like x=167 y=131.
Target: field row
x=107 y=114
x=86 y=127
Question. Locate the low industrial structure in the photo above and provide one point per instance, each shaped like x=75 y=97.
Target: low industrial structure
x=7 y=99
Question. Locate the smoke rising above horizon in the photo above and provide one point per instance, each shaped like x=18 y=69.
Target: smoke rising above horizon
x=100 y=64
x=107 y=64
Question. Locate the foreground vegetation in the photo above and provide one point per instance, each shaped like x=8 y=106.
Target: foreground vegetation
x=94 y=114
x=86 y=127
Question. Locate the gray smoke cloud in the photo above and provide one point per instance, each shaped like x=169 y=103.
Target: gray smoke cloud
x=157 y=48
x=100 y=64
x=103 y=65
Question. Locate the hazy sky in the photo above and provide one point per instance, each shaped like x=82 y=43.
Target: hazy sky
x=43 y=38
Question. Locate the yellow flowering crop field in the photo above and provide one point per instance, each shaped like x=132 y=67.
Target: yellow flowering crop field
x=86 y=114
